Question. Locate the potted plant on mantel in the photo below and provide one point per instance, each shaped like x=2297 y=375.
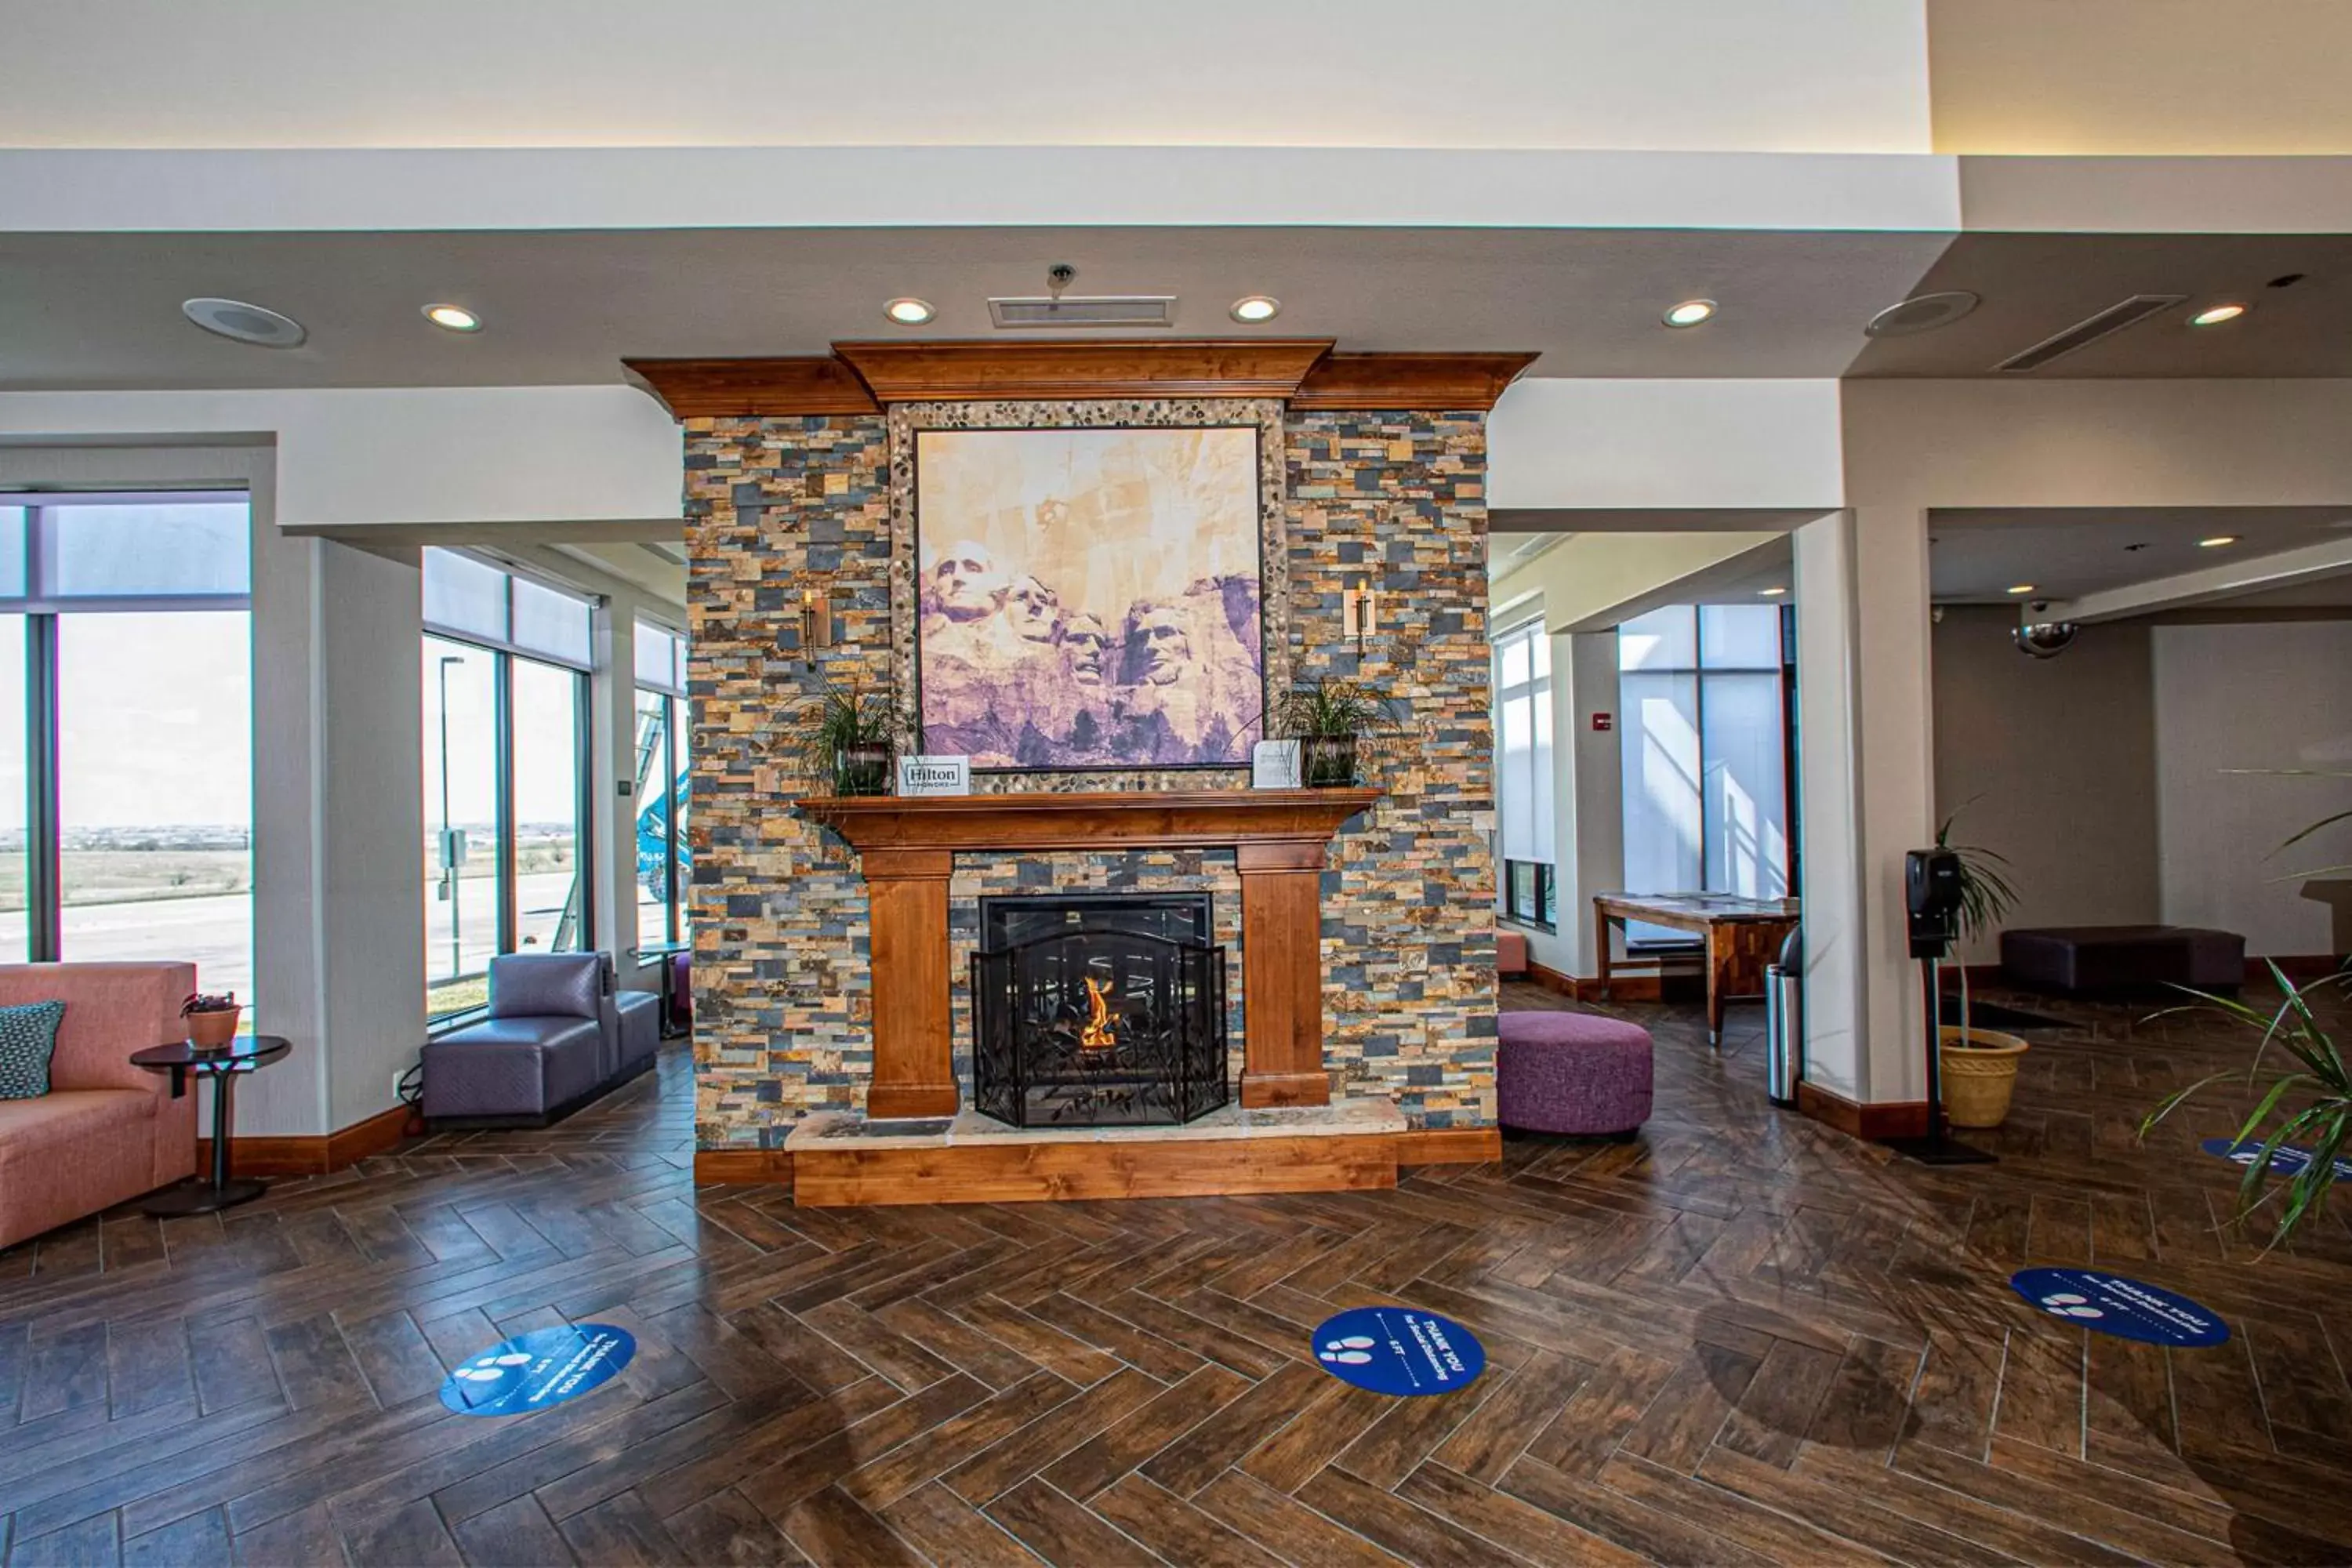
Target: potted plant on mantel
x=212 y=1019
x=852 y=740
x=1328 y=718
x=1980 y=1066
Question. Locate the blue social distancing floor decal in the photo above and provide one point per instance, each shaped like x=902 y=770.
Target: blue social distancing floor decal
x=1396 y=1350
x=2286 y=1159
x=2128 y=1309
x=545 y=1367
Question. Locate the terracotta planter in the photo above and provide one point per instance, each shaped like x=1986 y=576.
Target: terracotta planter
x=1979 y=1075
x=213 y=1031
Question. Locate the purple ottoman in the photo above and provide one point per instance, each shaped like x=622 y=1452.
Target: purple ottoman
x=1572 y=1072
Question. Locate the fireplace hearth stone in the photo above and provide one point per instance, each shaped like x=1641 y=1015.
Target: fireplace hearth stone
x=1348 y=1116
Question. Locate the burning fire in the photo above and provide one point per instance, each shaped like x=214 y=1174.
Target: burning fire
x=1098 y=1034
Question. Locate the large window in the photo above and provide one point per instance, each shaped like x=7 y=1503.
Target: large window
x=505 y=753
x=1706 y=750
x=661 y=770
x=126 y=785
x=1523 y=772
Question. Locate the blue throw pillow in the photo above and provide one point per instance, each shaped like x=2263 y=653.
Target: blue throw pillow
x=28 y=1038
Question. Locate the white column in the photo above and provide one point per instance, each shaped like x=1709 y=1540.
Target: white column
x=1867 y=786
x=1591 y=829
x=613 y=818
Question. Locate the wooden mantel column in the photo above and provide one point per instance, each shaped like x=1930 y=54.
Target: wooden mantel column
x=914 y=1069
x=1282 y=973
x=908 y=847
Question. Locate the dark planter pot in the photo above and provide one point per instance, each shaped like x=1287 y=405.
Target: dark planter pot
x=863 y=770
x=1327 y=761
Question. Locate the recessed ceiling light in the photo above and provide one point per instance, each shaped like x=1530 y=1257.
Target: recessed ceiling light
x=2021 y=588
x=2214 y=315
x=2218 y=540
x=256 y=324
x=1255 y=308
x=1771 y=592
x=910 y=312
x=453 y=318
x=1690 y=314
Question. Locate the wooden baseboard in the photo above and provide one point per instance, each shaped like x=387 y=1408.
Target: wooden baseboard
x=1449 y=1145
x=1552 y=979
x=734 y=1167
x=2303 y=968
x=1010 y=1172
x=378 y=1134
x=1892 y=1119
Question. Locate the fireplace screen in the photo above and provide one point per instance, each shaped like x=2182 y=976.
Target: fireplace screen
x=1098 y=1012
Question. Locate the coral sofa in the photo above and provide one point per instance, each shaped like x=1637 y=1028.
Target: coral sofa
x=106 y=1132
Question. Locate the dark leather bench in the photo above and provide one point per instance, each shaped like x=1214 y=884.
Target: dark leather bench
x=558 y=1035
x=2086 y=960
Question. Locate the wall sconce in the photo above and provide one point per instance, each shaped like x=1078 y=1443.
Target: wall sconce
x=817 y=623
x=1360 y=614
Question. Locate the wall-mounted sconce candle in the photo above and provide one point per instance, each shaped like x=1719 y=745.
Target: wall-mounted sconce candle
x=1360 y=614
x=816 y=623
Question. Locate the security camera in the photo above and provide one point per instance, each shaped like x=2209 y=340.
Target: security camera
x=2039 y=607
x=2046 y=639
x=1061 y=275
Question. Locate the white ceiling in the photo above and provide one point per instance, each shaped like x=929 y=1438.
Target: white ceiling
x=2036 y=285
x=102 y=311
x=2066 y=553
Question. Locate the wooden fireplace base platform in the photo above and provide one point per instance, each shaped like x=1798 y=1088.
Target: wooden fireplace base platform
x=836 y=1160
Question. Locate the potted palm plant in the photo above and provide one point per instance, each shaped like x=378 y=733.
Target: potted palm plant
x=1979 y=1066
x=1327 y=717
x=852 y=740
x=2302 y=1121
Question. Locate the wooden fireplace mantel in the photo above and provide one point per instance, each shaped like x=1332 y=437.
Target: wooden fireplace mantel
x=907 y=848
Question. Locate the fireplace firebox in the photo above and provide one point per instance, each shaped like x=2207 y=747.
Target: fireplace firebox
x=1098 y=1010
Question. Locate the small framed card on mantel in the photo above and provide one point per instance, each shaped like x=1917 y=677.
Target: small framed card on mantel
x=934 y=775
x=1273 y=764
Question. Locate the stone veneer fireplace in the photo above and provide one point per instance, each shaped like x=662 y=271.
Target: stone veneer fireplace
x=1374 y=977
x=1098 y=1010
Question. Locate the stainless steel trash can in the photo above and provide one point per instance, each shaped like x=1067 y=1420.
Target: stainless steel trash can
x=1784 y=1021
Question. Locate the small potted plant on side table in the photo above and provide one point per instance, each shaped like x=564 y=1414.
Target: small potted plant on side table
x=211 y=1020
x=1328 y=718
x=853 y=741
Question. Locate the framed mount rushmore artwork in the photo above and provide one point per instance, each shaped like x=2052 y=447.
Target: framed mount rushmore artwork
x=1089 y=597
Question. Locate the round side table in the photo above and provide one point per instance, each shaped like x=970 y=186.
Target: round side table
x=246 y=1053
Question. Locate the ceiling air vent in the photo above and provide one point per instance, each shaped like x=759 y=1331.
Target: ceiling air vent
x=2082 y=334
x=1086 y=310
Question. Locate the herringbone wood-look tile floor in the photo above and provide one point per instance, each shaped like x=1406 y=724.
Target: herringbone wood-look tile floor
x=1742 y=1339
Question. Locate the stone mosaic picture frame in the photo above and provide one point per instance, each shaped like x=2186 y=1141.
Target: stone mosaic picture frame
x=909 y=422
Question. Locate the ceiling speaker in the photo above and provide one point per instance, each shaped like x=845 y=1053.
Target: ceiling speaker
x=255 y=324
x=1921 y=313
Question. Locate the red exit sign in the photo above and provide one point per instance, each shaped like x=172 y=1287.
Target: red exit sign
x=1604 y=721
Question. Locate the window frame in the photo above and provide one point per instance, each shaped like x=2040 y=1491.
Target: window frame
x=506 y=905
x=44 y=750
x=1783 y=667
x=1532 y=630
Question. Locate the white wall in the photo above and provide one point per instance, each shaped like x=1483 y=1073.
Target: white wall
x=350 y=457
x=2098 y=443
x=1689 y=443
x=1814 y=74
x=2140 y=76
x=2267 y=695
x=2051 y=764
